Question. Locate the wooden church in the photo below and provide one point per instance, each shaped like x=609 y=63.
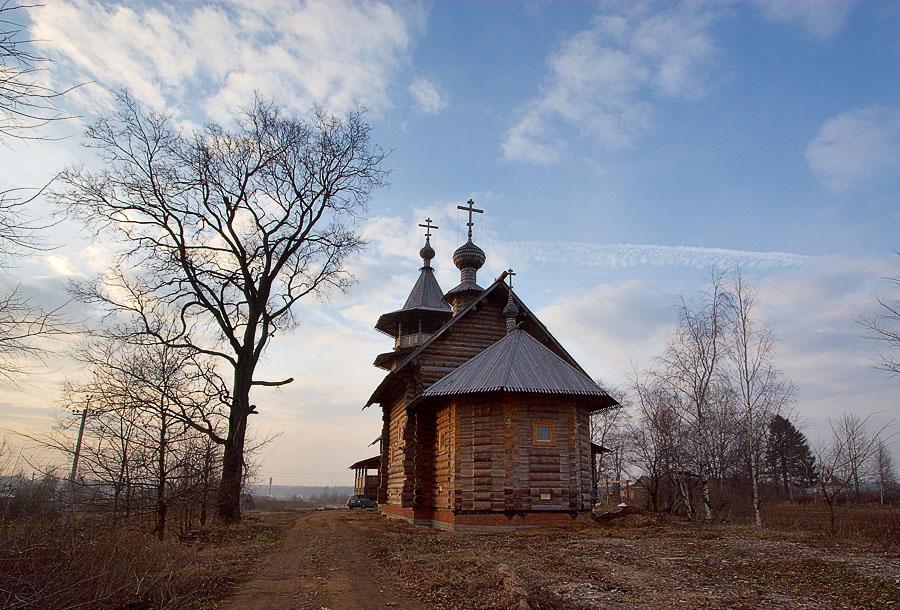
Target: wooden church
x=486 y=417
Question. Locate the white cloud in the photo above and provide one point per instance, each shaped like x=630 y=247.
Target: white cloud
x=61 y=265
x=632 y=255
x=855 y=146
x=428 y=99
x=605 y=81
x=821 y=19
x=609 y=326
x=170 y=55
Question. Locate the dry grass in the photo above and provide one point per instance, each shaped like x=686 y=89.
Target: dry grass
x=51 y=564
x=870 y=526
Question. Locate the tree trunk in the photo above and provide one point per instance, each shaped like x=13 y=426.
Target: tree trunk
x=161 y=507
x=754 y=486
x=707 y=504
x=229 y=500
x=204 y=499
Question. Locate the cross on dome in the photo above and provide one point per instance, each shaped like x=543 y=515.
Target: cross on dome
x=470 y=208
x=510 y=273
x=428 y=227
x=427 y=252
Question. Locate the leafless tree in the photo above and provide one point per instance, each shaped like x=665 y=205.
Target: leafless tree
x=858 y=443
x=692 y=368
x=609 y=430
x=884 y=327
x=232 y=228
x=149 y=401
x=760 y=387
x=25 y=103
x=24 y=326
x=656 y=435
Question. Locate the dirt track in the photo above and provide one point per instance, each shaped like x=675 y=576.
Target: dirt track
x=322 y=563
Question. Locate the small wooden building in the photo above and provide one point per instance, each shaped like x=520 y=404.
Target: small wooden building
x=365 y=480
x=485 y=415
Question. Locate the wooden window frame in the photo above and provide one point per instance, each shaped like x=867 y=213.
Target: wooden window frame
x=534 y=434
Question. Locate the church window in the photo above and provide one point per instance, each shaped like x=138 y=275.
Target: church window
x=543 y=433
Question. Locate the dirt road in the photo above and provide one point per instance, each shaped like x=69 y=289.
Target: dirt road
x=322 y=564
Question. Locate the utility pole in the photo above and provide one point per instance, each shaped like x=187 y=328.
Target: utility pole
x=84 y=414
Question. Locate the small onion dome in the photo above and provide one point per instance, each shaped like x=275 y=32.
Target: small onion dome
x=468 y=256
x=427 y=252
x=510 y=311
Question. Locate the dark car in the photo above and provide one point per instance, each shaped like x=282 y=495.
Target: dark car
x=361 y=502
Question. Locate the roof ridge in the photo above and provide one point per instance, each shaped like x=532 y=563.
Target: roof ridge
x=512 y=356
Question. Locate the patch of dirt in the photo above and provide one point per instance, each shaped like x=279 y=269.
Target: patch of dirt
x=341 y=559
x=323 y=563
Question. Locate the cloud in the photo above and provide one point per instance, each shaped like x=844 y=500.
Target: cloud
x=609 y=326
x=855 y=146
x=605 y=81
x=428 y=99
x=61 y=265
x=821 y=19
x=632 y=255
x=334 y=53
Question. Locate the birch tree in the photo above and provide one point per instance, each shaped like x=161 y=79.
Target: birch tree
x=693 y=367
x=758 y=384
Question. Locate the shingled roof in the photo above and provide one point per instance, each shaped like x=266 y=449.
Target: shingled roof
x=517 y=363
x=426 y=294
x=425 y=303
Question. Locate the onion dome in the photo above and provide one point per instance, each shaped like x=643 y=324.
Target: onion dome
x=469 y=256
x=427 y=253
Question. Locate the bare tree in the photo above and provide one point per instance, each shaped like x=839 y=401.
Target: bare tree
x=756 y=381
x=656 y=436
x=230 y=228
x=692 y=370
x=609 y=430
x=25 y=103
x=150 y=400
x=884 y=327
x=24 y=326
x=857 y=447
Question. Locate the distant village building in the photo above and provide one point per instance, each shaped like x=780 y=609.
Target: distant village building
x=485 y=415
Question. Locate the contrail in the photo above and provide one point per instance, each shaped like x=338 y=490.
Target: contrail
x=633 y=255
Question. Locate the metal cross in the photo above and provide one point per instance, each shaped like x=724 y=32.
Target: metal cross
x=428 y=227
x=510 y=273
x=470 y=207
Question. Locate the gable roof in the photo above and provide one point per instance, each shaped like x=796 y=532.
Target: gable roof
x=489 y=290
x=517 y=363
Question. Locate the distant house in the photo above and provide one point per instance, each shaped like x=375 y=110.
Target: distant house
x=485 y=414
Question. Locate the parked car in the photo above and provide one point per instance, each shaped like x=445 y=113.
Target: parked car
x=361 y=502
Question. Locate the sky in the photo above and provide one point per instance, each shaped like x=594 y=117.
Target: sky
x=619 y=150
